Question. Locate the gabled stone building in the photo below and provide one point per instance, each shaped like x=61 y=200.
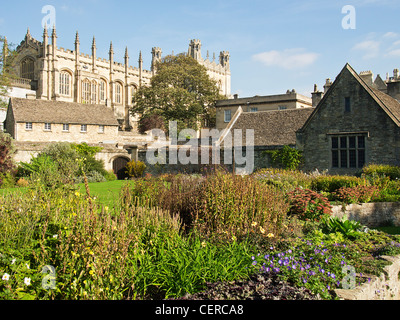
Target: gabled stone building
x=354 y=124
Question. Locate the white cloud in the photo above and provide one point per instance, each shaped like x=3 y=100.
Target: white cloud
x=390 y=34
x=370 y=48
x=288 y=59
x=393 y=53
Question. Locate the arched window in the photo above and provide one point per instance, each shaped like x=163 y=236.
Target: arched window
x=118 y=93
x=86 y=91
x=94 y=92
x=103 y=90
x=28 y=68
x=134 y=89
x=65 y=83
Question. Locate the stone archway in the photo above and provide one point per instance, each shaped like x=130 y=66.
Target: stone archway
x=119 y=165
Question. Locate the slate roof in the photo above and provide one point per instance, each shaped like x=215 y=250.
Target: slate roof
x=273 y=128
x=44 y=111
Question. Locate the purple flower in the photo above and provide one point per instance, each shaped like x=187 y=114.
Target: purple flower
x=254 y=263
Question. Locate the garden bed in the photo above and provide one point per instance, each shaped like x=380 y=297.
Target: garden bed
x=220 y=236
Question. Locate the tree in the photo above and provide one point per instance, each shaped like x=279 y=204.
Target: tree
x=287 y=158
x=181 y=91
x=7 y=72
x=6 y=153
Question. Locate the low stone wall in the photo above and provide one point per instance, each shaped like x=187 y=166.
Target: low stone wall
x=370 y=214
x=384 y=287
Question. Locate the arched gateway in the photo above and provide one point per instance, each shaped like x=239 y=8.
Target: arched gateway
x=119 y=169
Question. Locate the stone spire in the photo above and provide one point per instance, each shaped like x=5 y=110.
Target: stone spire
x=94 y=49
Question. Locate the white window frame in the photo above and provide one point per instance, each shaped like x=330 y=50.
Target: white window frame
x=84 y=128
x=101 y=128
x=65 y=127
x=227 y=115
x=47 y=126
x=29 y=126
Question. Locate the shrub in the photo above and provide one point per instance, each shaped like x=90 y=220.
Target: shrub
x=393 y=172
x=331 y=183
x=7 y=180
x=349 y=228
x=6 y=153
x=110 y=175
x=22 y=182
x=135 y=169
x=231 y=204
x=308 y=204
x=287 y=180
x=357 y=194
x=287 y=158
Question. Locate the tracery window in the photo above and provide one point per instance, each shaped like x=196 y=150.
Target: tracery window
x=86 y=91
x=65 y=83
x=28 y=68
x=118 y=93
x=102 y=90
x=94 y=92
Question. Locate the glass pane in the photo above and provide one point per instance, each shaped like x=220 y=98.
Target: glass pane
x=335 y=142
x=352 y=159
x=352 y=142
x=361 y=158
x=335 y=159
x=343 y=142
x=361 y=142
x=343 y=159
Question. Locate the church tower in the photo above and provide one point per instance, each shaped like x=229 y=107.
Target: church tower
x=195 y=49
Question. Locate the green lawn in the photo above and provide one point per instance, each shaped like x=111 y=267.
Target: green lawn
x=105 y=192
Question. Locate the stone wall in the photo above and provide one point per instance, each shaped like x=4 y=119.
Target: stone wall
x=365 y=117
x=384 y=287
x=370 y=214
x=260 y=159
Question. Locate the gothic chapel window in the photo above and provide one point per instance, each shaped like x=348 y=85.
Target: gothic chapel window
x=102 y=90
x=65 y=83
x=94 y=92
x=27 y=68
x=86 y=91
x=118 y=93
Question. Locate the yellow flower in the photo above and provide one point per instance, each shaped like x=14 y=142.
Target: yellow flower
x=77 y=194
x=233 y=238
x=270 y=235
x=262 y=230
x=254 y=224
x=203 y=244
x=91 y=272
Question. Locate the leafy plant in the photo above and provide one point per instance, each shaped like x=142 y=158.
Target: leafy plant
x=135 y=169
x=357 y=194
x=308 y=204
x=349 y=228
x=287 y=158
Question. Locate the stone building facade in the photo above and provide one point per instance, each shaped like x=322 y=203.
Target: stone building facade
x=59 y=74
x=354 y=124
x=227 y=108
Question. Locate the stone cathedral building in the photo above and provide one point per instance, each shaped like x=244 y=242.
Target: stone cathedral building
x=63 y=95
x=59 y=74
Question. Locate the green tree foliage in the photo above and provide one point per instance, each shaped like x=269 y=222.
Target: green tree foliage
x=7 y=72
x=287 y=158
x=6 y=153
x=135 y=169
x=180 y=91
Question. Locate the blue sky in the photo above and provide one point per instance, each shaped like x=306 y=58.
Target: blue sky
x=274 y=45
